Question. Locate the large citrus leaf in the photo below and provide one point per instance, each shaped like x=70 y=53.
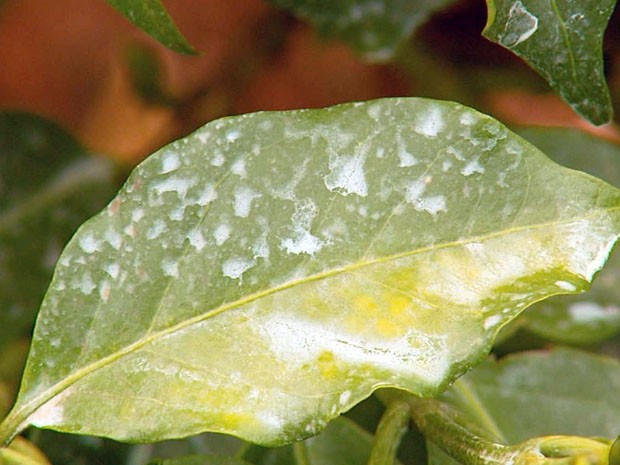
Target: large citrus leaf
x=563 y=42
x=372 y=28
x=271 y=270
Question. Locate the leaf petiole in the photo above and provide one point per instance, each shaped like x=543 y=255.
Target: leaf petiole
x=390 y=431
x=443 y=426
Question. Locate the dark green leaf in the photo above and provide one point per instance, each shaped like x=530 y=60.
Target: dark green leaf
x=563 y=391
x=594 y=316
x=563 y=42
x=48 y=186
x=151 y=16
x=372 y=28
x=271 y=270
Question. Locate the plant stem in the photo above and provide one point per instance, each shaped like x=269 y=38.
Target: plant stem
x=390 y=431
x=440 y=425
x=300 y=452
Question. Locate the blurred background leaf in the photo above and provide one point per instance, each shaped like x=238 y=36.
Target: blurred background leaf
x=374 y=29
x=48 y=186
x=151 y=16
x=563 y=42
x=562 y=391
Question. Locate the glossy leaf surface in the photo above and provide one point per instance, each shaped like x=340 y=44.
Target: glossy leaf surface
x=372 y=28
x=49 y=185
x=271 y=270
x=537 y=394
x=563 y=42
x=594 y=316
x=151 y=16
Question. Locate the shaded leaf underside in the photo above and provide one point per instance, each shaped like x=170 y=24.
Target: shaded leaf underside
x=271 y=270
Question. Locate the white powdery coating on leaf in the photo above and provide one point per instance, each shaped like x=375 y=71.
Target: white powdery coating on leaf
x=52 y=412
x=472 y=167
x=566 y=286
x=244 y=196
x=432 y=204
x=137 y=215
x=196 y=239
x=89 y=244
x=206 y=196
x=113 y=269
x=590 y=245
x=233 y=135
x=113 y=238
x=86 y=285
x=218 y=159
x=347 y=175
x=492 y=321
x=174 y=184
x=303 y=241
x=414 y=190
x=344 y=398
x=520 y=26
x=468 y=118
x=302 y=341
x=221 y=233
x=406 y=158
x=430 y=124
x=156 y=230
x=235 y=267
x=238 y=168
x=170 y=162
x=170 y=268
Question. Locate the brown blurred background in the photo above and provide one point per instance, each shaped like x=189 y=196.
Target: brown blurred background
x=82 y=64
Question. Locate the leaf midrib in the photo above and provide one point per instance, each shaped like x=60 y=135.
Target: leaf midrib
x=18 y=417
x=566 y=38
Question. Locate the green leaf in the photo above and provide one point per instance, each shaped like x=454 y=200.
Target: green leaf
x=562 y=391
x=341 y=443
x=595 y=316
x=48 y=186
x=563 y=42
x=151 y=16
x=270 y=271
x=374 y=29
